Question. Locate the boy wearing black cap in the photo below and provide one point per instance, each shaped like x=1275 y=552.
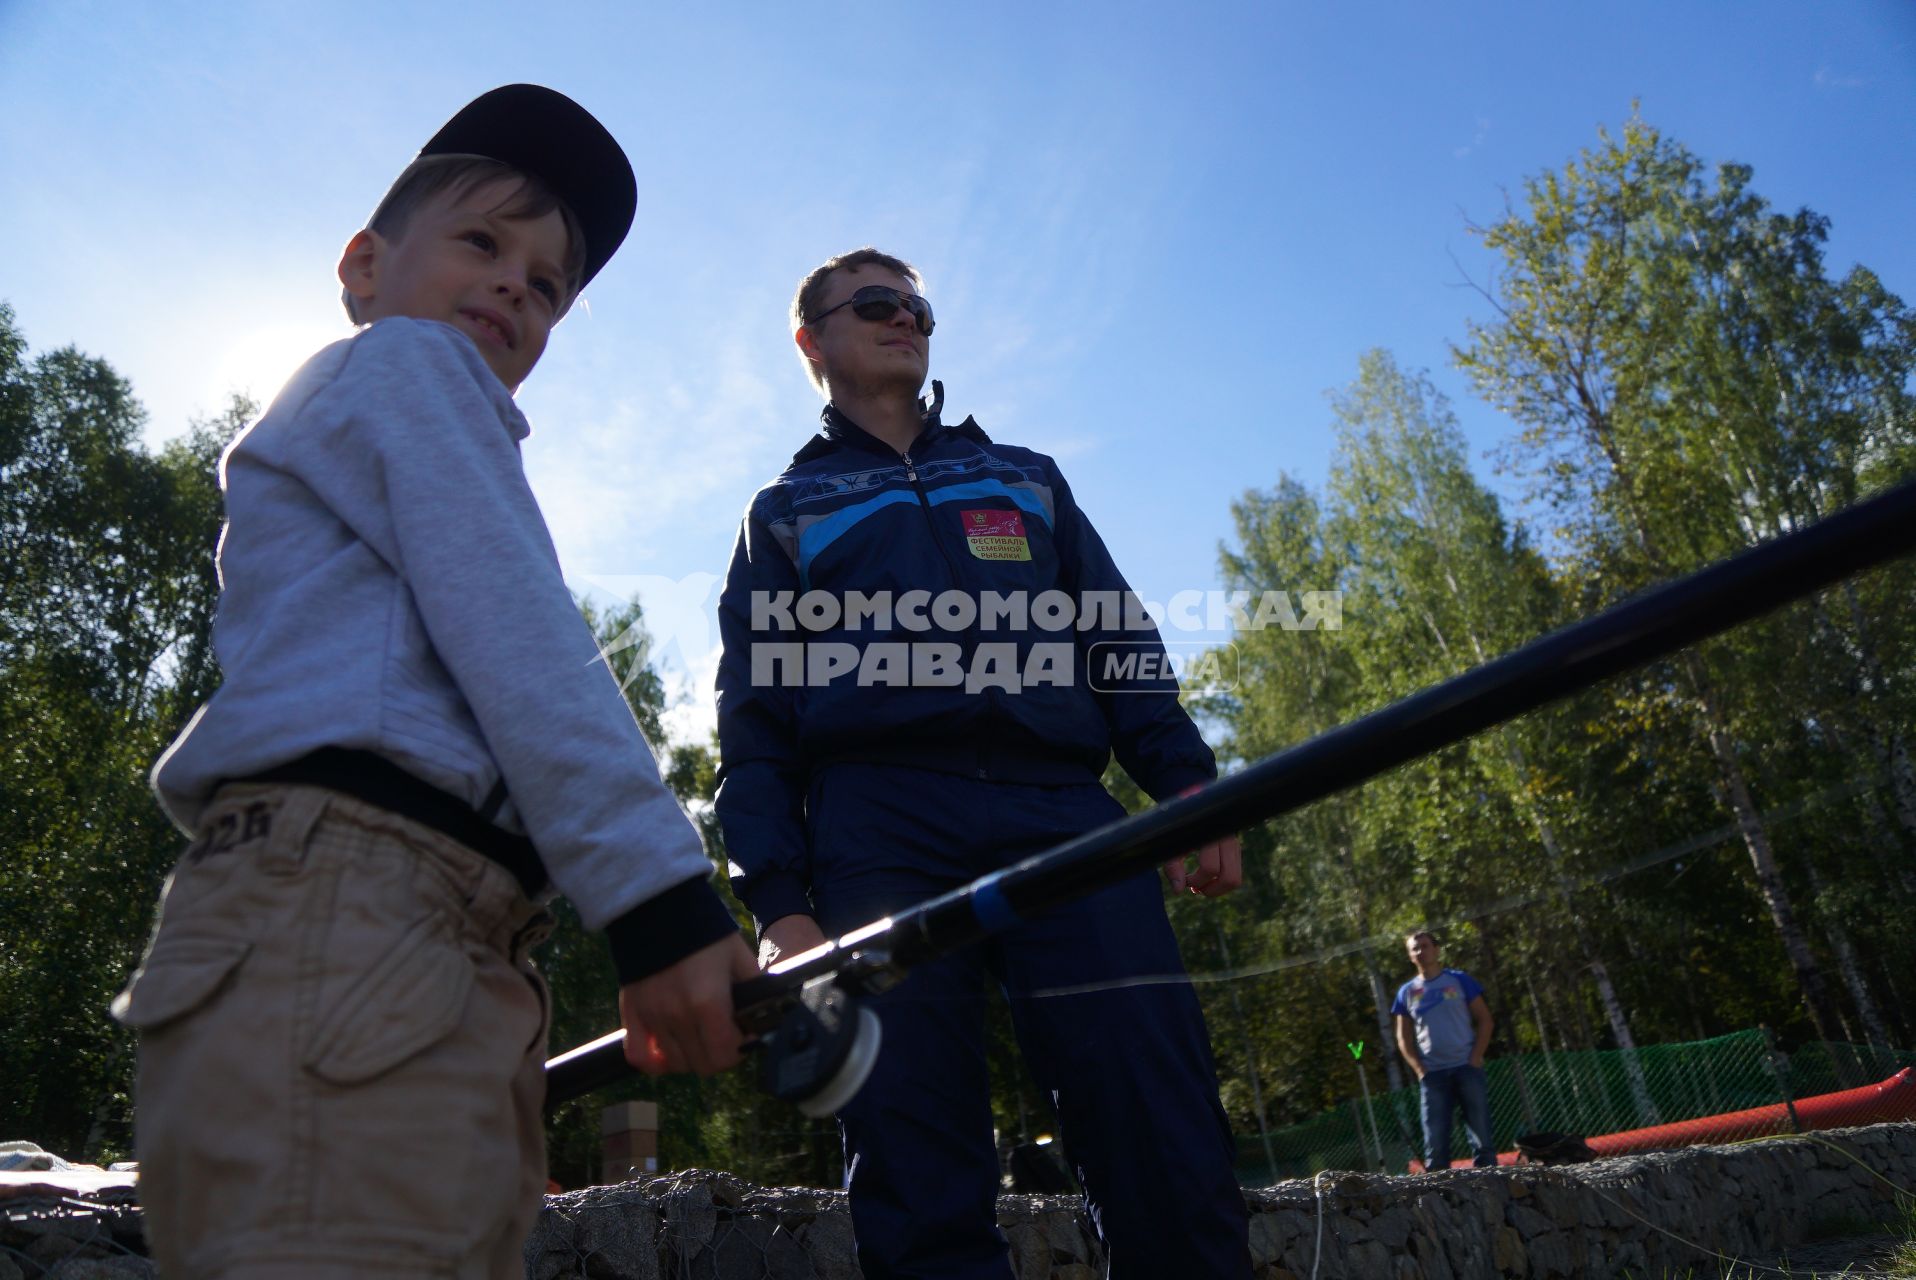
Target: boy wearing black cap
x=341 y=1036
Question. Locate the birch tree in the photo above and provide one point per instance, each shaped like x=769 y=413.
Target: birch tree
x=1634 y=343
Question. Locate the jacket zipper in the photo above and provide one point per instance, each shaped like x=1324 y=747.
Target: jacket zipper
x=931 y=525
x=972 y=638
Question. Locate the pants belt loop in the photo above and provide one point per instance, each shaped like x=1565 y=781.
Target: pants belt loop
x=297 y=813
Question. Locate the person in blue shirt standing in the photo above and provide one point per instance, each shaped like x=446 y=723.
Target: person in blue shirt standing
x=1443 y=1030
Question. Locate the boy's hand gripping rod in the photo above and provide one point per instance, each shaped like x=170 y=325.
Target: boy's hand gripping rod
x=820 y=1043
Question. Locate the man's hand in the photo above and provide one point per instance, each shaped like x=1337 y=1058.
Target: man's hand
x=1218 y=870
x=1477 y=1060
x=680 y=1019
x=1407 y=1044
x=786 y=937
x=1219 y=866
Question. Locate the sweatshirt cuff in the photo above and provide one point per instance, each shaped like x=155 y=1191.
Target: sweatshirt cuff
x=773 y=895
x=1174 y=781
x=663 y=930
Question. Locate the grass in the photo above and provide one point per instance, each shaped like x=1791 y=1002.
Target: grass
x=1902 y=1260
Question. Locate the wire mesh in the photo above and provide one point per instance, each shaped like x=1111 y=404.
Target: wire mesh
x=712 y=1226
x=58 y=1237
x=698 y=1225
x=1619 y=1101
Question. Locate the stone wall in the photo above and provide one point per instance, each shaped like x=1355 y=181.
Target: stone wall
x=1648 y=1214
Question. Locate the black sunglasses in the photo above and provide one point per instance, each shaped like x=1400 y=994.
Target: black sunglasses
x=881 y=302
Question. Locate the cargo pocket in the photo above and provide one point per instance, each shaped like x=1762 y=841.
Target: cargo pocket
x=178 y=976
x=409 y=1001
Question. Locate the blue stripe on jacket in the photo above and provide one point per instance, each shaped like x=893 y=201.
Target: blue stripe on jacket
x=834 y=526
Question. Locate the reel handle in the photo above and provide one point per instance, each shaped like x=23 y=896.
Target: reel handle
x=814 y=1037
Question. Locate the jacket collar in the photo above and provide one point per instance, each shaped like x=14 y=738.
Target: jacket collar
x=841 y=432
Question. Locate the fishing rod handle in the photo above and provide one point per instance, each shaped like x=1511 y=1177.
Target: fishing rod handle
x=756 y=1004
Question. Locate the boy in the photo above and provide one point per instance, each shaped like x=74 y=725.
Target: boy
x=341 y=1035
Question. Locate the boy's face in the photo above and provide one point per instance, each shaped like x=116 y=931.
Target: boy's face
x=498 y=280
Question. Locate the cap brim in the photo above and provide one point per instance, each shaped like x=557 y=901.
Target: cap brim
x=548 y=135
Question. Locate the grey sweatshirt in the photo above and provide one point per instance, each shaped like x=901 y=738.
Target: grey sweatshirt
x=388 y=584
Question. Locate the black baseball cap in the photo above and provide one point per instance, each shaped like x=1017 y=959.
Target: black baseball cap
x=544 y=133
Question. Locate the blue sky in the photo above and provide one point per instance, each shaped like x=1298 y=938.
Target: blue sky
x=1154 y=234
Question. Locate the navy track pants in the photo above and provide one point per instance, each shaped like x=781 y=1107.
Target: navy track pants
x=1128 y=1065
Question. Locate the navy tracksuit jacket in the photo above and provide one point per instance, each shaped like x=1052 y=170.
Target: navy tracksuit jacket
x=881 y=743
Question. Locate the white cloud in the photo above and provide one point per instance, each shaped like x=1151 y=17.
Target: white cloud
x=662 y=467
x=1476 y=139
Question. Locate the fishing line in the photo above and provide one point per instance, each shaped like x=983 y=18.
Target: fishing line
x=1481 y=910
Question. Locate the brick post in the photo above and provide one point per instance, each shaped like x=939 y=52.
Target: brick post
x=630 y=1139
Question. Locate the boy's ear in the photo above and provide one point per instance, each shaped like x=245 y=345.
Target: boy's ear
x=359 y=264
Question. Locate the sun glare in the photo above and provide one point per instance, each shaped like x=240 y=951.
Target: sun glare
x=258 y=362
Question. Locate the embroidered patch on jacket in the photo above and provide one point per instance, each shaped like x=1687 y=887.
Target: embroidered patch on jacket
x=996 y=535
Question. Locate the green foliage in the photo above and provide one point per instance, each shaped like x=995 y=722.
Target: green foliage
x=721 y=1123
x=1684 y=380
x=106 y=593
x=1688 y=380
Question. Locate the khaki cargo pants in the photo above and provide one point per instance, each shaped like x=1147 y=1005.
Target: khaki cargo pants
x=341 y=1049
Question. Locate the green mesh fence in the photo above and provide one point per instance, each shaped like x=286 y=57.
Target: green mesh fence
x=1822 y=1067
x=1588 y=1093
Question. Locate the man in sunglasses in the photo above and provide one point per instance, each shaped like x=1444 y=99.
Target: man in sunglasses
x=928 y=662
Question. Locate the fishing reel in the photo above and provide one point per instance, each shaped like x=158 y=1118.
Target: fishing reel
x=822 y=1050
x=817 y=1040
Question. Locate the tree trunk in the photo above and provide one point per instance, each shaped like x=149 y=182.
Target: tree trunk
x=1734 y=790
x=1380 y=990
x=1886 y=976
x=1847 y=963
x=1879 y=841
x=1735 y=794
x=1547 y=836
x=1387 y=1036
x=1381 y=998
x=1606 y=990
x=1893 y=748
x=1572 y=1110
x=1494 y=971
x=91 y=1148
x=1250 y=1057
x=1626 y=1044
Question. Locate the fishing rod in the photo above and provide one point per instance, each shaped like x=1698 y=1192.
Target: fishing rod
x=818 y=1040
